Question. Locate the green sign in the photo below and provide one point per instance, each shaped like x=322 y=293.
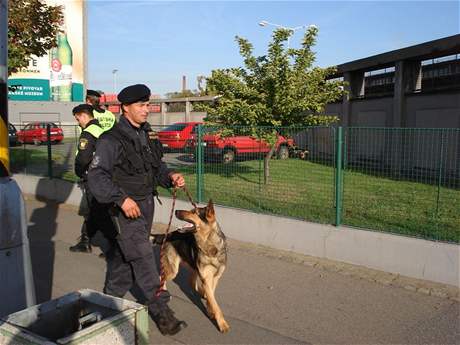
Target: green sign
x=29 y=89
x=38 y=90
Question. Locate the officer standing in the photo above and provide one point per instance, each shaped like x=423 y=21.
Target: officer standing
x=105 y=117
x=91 y=130
x=125 y=171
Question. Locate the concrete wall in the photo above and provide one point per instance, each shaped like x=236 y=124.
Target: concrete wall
x=416 y=258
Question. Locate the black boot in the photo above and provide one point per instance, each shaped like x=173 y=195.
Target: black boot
x=82 y=246
x=166 y=321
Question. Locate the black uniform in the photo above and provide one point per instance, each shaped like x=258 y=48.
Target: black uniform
x=96 y=215
x=128 y=163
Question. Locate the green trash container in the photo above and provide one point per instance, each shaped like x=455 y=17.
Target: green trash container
x=82 y=317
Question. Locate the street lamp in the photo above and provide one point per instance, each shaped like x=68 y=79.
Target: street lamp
x=114 y=72
x=265 y=23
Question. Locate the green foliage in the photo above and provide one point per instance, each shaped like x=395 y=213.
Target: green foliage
x=32 y=28
x=279 y=89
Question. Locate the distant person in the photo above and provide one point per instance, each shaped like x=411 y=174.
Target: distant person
x=89 y=209
x=105 y=117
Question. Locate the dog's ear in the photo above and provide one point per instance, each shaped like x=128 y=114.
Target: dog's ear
x=210 y=209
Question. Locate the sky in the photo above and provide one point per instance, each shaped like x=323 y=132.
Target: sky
x=157 y=42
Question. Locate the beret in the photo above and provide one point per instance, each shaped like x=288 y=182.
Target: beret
x=83 y=108
x=134 y=93
x=93 y=93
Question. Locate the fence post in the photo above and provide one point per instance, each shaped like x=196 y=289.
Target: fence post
x=440 y=172
x=199 y=165
x=338 y=175
x=48 y=144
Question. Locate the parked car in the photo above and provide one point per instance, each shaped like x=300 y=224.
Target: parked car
x=227 y=149
x=35 y=132
x=12 y=135
x=178 y=135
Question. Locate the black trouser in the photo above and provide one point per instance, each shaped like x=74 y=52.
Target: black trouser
x=96 y=215
x=130 y=259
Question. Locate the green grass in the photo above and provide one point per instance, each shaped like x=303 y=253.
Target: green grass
x=305 y=190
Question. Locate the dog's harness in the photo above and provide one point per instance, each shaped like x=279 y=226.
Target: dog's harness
x=162 y=272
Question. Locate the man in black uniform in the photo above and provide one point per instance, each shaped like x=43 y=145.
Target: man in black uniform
x=91 y=130
x=125 y=171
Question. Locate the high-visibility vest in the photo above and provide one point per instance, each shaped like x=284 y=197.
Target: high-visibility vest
x=94 y=130
x=105 y=119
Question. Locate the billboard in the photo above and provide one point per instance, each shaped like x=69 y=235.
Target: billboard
x=59 y=75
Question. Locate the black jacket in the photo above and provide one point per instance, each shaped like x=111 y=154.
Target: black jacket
x=111 y=157
x=85 y=151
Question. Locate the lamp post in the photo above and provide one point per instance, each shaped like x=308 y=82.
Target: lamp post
x=294 y=29
x=114 y=72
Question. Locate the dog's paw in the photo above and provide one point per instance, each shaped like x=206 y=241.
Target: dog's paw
x=223 y=326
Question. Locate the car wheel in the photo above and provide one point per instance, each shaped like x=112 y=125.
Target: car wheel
x=283 y=152
x=228 y=156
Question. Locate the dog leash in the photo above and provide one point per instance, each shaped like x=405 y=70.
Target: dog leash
x=162 y=273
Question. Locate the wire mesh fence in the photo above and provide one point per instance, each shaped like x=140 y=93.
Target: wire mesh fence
x=404 y=181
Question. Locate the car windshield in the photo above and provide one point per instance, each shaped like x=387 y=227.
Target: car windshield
x=175 y=127
x=52 y=125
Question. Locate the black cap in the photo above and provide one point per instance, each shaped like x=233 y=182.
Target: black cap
x=134 y=93
x=83 y=108
x=93 y=93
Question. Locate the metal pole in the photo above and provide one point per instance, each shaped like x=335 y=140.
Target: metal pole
x=4 y=152
x=338 y=176
x=48 y=144
x=199 y=165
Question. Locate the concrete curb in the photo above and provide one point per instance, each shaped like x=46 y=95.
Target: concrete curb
x=397 y=255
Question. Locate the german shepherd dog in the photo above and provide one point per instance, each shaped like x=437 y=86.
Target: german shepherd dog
x=203 y=248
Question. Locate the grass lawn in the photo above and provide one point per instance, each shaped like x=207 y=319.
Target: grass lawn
x=305 y=190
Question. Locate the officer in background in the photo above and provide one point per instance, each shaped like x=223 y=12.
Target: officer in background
x=105 y=117
x=125 y=171
x=91 y=130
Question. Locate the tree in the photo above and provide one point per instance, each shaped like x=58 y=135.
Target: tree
x=32 y=28
x=280 y=89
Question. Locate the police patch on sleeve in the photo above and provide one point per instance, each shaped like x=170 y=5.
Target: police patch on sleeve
x=83 y=144
x=94 y=162
x=153 y=135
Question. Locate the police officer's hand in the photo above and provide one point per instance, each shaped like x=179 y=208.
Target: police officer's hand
x=177 y=180
x=130 y=208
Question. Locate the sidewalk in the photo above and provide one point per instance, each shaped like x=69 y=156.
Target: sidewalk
x=268 y=296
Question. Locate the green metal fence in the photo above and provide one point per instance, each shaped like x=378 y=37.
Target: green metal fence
x=398 y=180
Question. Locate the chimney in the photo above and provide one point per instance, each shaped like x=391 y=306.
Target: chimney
x=184 y=83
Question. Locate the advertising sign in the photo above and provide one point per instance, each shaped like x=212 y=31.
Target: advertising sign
x=57 y=76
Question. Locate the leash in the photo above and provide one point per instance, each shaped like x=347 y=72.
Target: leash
x=161 y=288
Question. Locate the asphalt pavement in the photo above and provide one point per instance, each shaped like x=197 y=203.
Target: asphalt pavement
x=267 y=296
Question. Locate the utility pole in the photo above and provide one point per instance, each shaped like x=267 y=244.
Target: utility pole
x=17 y=286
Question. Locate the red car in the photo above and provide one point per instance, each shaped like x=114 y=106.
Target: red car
x=35 y=132
x=178 y=135
x=227 y=149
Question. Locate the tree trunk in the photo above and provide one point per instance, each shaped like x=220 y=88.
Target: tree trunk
x=267 y=158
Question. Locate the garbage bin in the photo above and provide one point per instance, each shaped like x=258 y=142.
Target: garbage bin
x=82 y=317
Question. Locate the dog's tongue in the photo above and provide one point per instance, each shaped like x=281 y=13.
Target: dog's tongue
x=186 y=227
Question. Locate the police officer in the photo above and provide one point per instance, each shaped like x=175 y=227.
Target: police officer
x=125 y=171
x=91 y=130
x=105 y=117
